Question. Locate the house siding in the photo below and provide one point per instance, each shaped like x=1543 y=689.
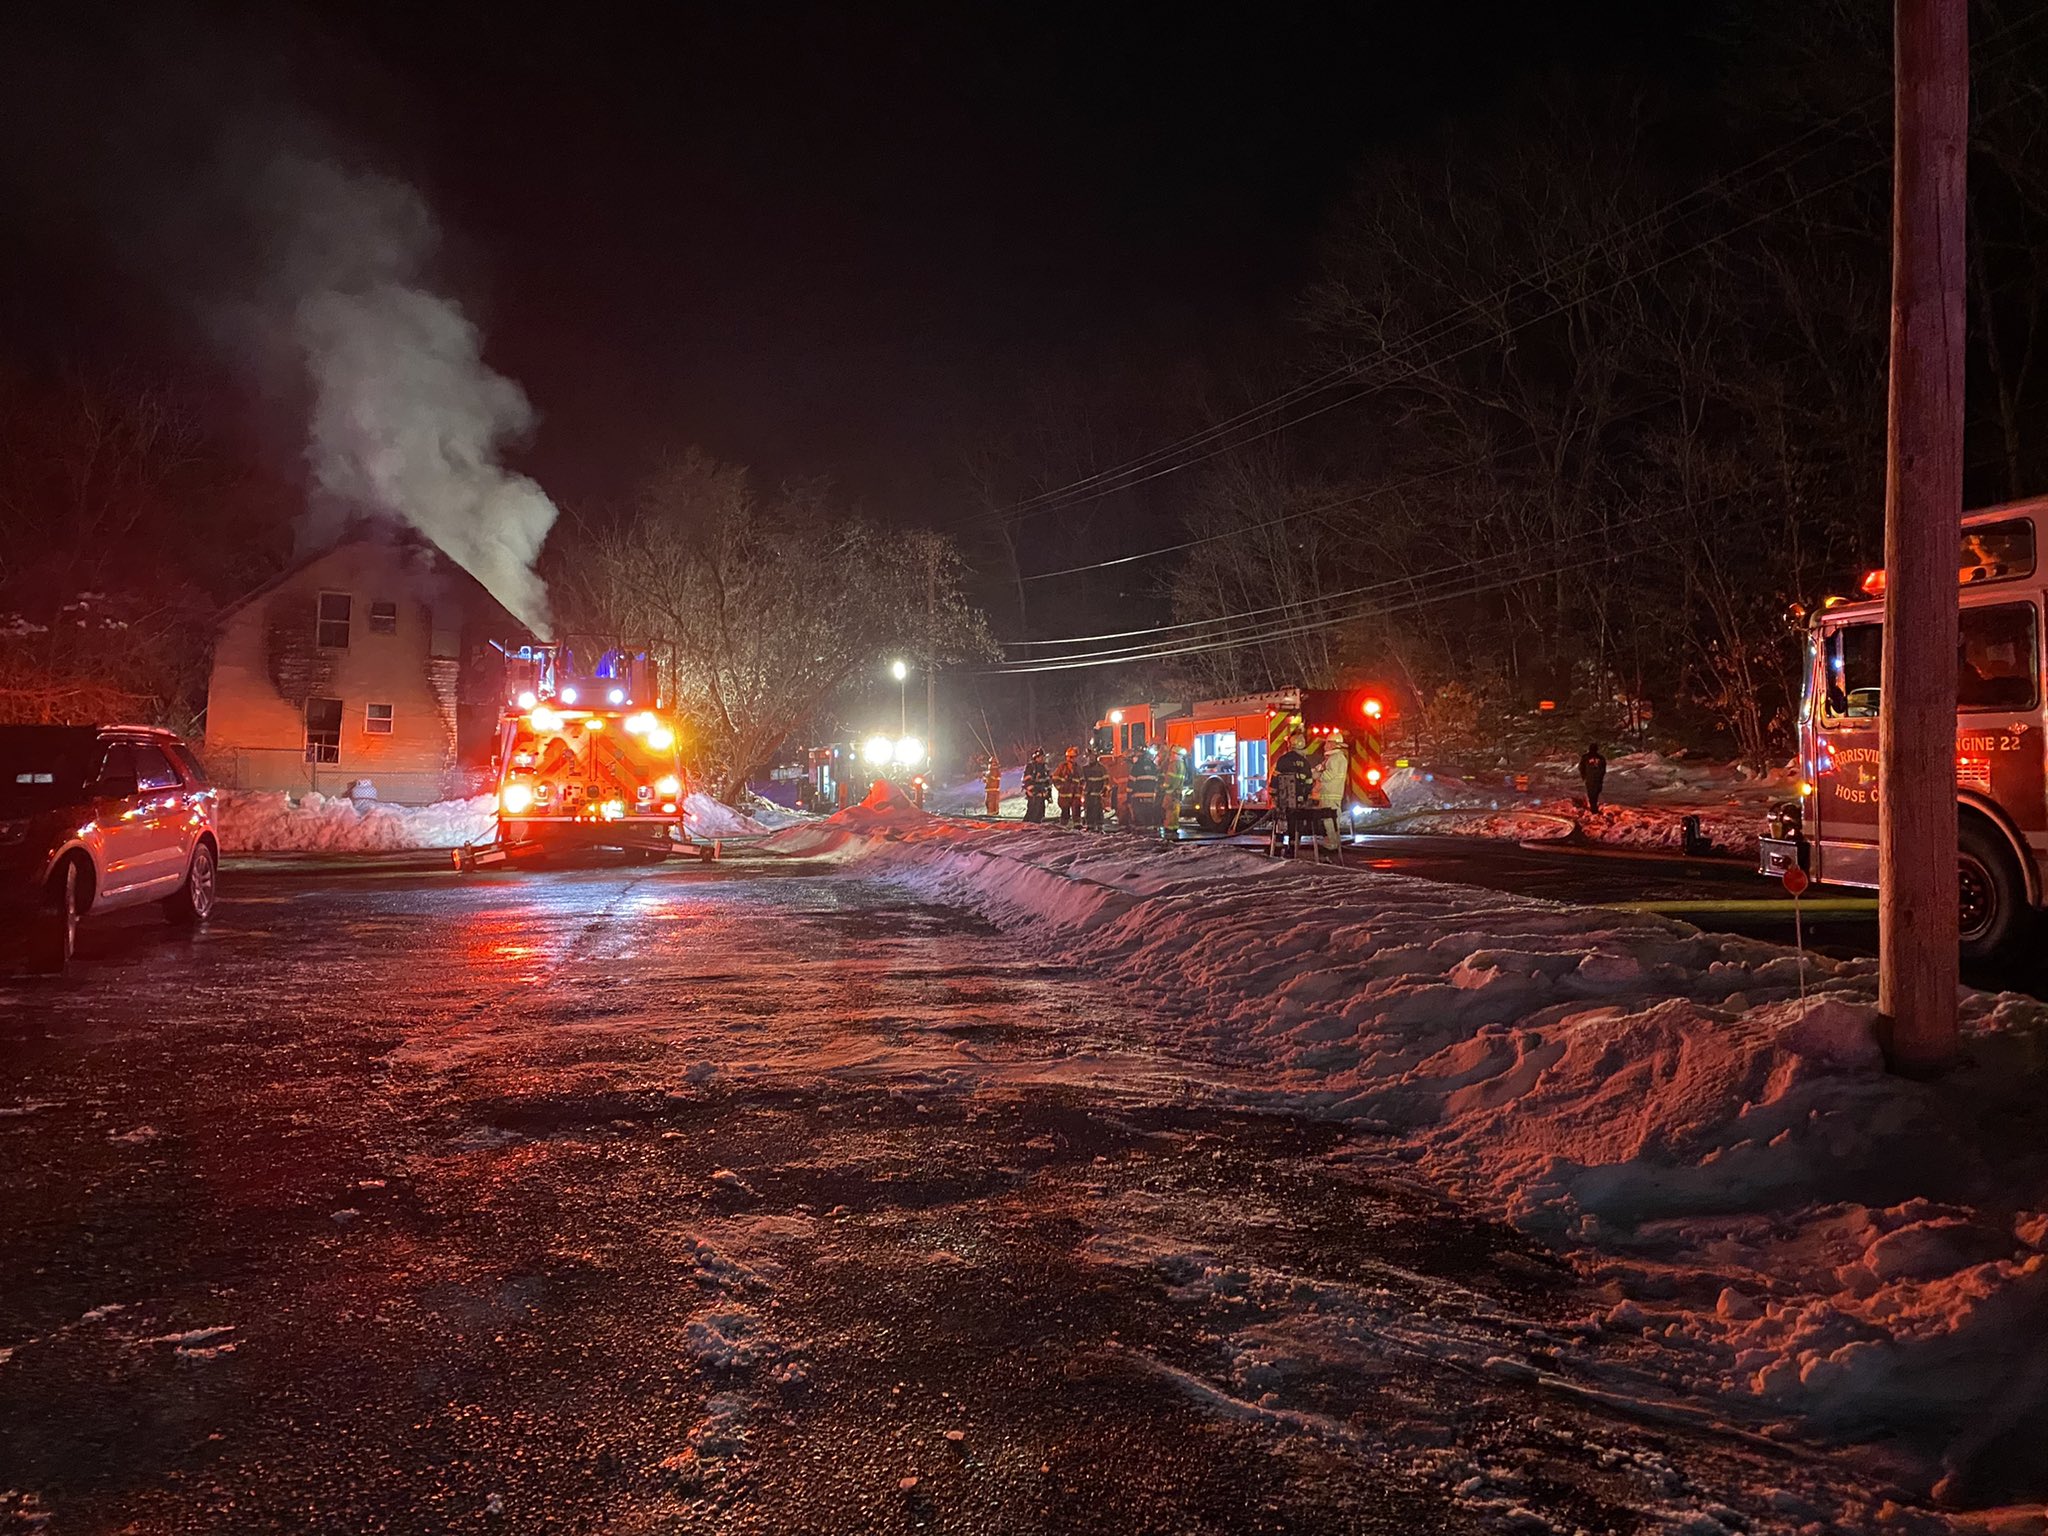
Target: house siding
x=268 y=662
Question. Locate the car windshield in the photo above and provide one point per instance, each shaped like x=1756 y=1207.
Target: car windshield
x=44 y=765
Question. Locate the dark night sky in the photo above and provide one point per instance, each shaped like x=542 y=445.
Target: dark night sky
x=831 y=240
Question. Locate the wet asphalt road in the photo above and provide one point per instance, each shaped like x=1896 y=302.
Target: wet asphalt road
x=749 y=1197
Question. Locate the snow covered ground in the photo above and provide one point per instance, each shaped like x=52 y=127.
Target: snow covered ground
x=1791 y=1241
x=257 y=821
x=1646 y=799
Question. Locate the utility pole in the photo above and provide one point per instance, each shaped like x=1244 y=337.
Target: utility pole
x=931 y=671
x=1917 y=962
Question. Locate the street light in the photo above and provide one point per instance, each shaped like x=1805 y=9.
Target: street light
x=900 y=670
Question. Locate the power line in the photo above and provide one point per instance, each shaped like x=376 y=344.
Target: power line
x=1128 y=477
x=1289 y=630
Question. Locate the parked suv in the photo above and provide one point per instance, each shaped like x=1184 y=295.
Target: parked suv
x=95 y=818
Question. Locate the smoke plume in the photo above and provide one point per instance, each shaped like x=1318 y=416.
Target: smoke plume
x=406 y=419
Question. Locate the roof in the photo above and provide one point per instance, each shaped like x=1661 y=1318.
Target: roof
x=398 y=540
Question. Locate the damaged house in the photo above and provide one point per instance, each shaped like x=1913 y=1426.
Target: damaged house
x=372 y=659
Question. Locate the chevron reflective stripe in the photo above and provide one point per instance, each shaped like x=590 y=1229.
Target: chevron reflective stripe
x=1279 y=726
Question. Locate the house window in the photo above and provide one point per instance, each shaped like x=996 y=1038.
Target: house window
x=383 y=618
x=323 y=730
x=377 y=719
x=333 y=627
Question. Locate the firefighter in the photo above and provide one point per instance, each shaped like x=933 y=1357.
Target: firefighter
x=992 y=784
x=1333 y=777
x=1037 y=786
x=1119 y=766
x=1094 y=791
x=1066 y=783
x=1292 y=783
x=1142 y=796
x=1171 y=785
x=1593 y=774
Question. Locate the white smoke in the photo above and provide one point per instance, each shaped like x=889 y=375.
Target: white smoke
x=406 y=418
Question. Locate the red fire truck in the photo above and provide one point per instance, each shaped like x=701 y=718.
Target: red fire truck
x=2001 y=779
x=1220 y=749
x=585 y=763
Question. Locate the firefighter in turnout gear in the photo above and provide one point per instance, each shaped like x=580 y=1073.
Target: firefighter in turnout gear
x=992 y=783
x=1037 y=786
x=1094 y=791
x=1066 y=783
x=1293 y=785
x=1142 y=797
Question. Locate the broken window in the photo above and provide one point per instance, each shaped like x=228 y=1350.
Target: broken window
x=323 y=730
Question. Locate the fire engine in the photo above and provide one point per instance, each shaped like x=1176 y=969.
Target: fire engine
x=582 y=762
x=2001 y=781
x=1220 y=749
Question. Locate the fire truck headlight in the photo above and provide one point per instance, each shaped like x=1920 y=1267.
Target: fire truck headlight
x=909 y=751
x=545 y=719
x=568 y=695
x=660 y=737
x=527 y=699
x=668 y=786
x=616 y=696
x=514 y=798
x=639 y=725
x=878 y=750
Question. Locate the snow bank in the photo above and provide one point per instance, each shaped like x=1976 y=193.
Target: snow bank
x=1645 y=800
x=1779 y=1221
x=706 y=817
x=256 y=821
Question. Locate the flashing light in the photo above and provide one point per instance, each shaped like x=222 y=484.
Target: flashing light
x=527 y=698
x=668 y=807
x=1373 y=775
x=1873 y=583
x=909 y=752
x=640 y=724
x=1358 y=810
x=594 y=723
x=616 y=696
x=1546 y=703
x=545 y=719
x=1372 y=709
x=1805 y=789
x=1116 y=717
x=542 y=793
x=877 y=750
x=614 y=809
x=514 y=798
x=643 y=793
x=568 y=695
x=668 y=786
x=660 y=738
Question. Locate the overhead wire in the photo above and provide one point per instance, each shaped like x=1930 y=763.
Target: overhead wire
x=1061 y=497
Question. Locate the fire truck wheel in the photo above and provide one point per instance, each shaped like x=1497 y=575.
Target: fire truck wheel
x=1993 y=915
x=1212 y=813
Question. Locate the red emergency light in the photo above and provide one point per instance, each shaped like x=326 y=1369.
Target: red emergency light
x=1873 y=583
x=1371 y=708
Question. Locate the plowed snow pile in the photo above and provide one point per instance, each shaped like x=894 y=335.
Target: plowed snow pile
x=1781 y=1225
x=1646 y=799
x=256 y=821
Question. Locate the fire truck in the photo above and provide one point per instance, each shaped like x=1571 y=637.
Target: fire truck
x=2001 y=780
x=582 y=761
x=1222 y=748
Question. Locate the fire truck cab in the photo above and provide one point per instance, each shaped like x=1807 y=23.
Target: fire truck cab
x=583 y=762
x=2001 y=773
x=1219 y=751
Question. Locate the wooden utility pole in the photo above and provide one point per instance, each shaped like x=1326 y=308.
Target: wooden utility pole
x=1917 y=963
